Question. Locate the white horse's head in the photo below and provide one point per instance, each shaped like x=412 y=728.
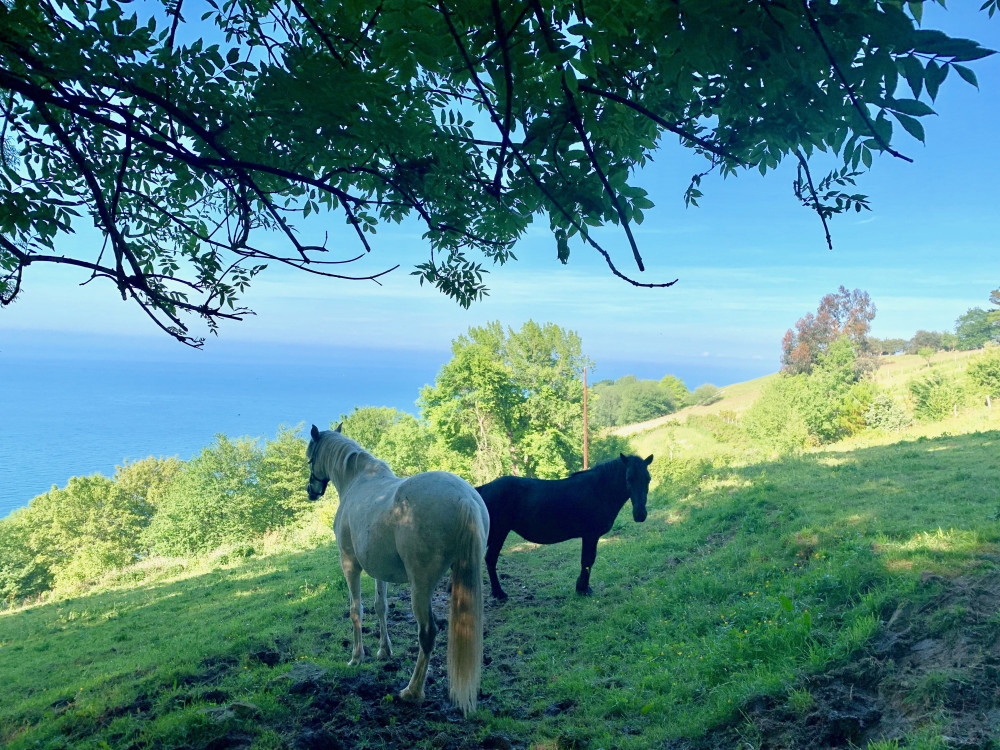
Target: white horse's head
x=317 y=485
x=329 y=454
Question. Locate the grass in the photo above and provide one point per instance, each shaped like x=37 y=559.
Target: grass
x=749 y=584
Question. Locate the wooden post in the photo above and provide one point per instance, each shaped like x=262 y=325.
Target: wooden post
x=585 y=467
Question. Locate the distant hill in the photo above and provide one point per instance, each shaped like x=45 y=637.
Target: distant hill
x=893 y=372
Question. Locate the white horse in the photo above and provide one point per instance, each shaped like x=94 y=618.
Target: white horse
x=408 y=530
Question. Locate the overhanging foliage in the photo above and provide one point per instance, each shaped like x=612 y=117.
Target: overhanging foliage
x=191 y=133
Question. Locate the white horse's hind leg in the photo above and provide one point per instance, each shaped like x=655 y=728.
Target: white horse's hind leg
x=426 y=630
x=352 y=572
x=381 y=607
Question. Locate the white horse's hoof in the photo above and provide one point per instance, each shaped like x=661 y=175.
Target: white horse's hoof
x=411 y=696
x=355 y=661
x=384 y=653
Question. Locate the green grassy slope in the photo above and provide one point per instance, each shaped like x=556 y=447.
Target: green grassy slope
x=845 y=596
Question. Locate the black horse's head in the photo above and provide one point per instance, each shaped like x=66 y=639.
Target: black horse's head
x=637 y=483
x=317 y=485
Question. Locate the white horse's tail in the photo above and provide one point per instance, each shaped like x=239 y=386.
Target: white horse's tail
x=465 y=619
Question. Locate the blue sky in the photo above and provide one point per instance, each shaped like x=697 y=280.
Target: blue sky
x=750 y=262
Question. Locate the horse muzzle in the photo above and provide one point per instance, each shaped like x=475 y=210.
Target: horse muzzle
x=638 y=515
x=316 y=488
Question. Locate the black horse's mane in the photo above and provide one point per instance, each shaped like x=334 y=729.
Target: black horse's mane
x=605 y=467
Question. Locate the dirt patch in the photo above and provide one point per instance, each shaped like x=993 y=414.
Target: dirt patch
x=363 y=709
x=943 y=660
x=934 y=664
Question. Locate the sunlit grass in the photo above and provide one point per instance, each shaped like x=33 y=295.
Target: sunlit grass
x=754 y=576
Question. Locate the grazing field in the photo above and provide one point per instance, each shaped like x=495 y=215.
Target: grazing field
x=846 y=596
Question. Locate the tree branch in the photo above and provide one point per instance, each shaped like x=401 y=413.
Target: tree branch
x=814 y=25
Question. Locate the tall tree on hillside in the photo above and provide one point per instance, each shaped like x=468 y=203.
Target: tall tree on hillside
x=886 y=346
x=511 y=401
x=974 y=329
x=197 y=140
x=676 y=385
x=924 y=340
x=844 y=313
x=994 y=315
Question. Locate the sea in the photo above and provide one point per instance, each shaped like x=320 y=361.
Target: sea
x=87 y=408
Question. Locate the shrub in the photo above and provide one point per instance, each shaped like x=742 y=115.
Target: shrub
x=934 y=396
x=773 y=421
x=724 y=426
x=706 y=394
x=851 y=414
x=886 y=414
x=232 y=490
x=984 y=372
x=605 y=447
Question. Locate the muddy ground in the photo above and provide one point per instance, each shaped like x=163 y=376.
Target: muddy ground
x=934 y=664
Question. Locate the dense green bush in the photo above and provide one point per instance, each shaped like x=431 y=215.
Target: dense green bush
x=706 y=394
x=773 y=421
x=935 y=396
x=724 y=426
x=73 y=535
x=984 y=372
x=629 y=400
x=886 y=414
x=232 y=490
x=406 y=444
x=605 y=447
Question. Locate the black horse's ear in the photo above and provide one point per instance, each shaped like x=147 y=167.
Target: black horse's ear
x=649 y=460
x=621 y=457
x=314 y=433
x=339 y=427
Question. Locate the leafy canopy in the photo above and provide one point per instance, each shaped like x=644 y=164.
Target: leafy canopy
x=199 y=137
x=511 y=401
x=842 y=314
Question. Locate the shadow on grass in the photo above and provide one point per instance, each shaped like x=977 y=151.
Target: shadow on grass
x=138 y=668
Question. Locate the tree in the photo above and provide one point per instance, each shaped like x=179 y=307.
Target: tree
x=974 y=329
x=885 y=347
x=994 y=315
x=511 y=401
x=706 y=394
x=845 y=313
x=230 y=492
x=407 y=445
x=192 y=144
x=828 y=398
x=886 y=414
x=682 y=395
x=924 y=340
x=629 y=400
x=773 y=420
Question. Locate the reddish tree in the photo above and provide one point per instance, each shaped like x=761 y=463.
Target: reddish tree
x=845 y=313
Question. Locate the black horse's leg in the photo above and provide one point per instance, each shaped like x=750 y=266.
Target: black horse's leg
x=587 y=557
x=493 y=546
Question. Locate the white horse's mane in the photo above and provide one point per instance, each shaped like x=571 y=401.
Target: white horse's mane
x=335 y=450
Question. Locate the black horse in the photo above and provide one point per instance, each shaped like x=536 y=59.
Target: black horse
x=545 y=511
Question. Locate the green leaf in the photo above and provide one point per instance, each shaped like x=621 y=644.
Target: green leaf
x=934 y=77
x=909 y=107
x=786 y=603
x=967 y=74
x=910 y=125
x=913 y=72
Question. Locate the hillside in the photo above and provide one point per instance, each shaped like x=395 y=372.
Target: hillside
x=893 y=372
x=847 y=596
